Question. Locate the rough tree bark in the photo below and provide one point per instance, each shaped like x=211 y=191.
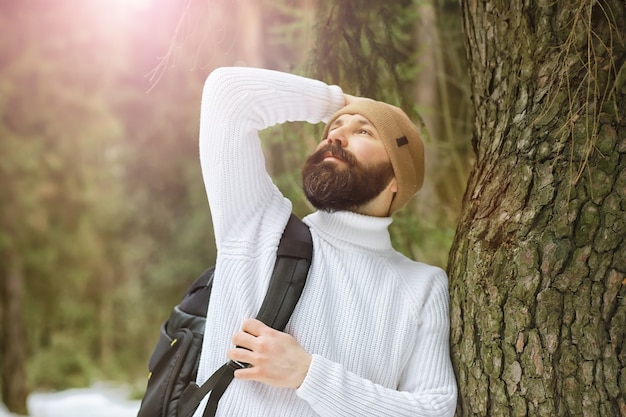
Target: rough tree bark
x=538 y=264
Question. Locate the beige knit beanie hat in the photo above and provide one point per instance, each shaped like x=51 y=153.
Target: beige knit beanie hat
x=402 y=141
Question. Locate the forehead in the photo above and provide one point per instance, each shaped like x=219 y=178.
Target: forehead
x=351 y=118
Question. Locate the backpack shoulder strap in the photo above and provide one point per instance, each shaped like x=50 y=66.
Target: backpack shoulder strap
x=293 y=259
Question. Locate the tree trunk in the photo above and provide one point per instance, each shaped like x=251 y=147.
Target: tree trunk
x=13 y=348
x=538 y=264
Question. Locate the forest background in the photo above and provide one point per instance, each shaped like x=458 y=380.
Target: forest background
x=103 y=214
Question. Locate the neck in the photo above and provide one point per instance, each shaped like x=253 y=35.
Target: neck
x=360 y=230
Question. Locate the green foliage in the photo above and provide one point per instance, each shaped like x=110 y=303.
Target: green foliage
x=418 y=237
x=62 y=364
x=101 y=188
x=368 y=48
x=102 y=195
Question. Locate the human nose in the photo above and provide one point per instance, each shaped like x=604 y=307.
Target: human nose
x=337 y=135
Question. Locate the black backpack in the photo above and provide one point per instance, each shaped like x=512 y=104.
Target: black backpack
x=173 y=365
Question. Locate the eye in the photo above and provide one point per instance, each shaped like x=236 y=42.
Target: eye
x=330 y=132
x=364 y=132
x=336 y=125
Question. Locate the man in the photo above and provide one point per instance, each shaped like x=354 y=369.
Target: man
x=369 y=336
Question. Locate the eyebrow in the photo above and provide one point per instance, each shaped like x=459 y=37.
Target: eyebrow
x=361 y=121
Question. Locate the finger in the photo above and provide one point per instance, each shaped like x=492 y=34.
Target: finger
x=244 y=340
x=254 y=327
x=241 y=355
x=350 y=99
x=250 y=374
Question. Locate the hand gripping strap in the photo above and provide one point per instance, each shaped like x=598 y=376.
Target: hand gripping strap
x=293 y=259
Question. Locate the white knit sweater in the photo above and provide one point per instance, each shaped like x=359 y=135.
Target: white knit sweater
x=375 y=321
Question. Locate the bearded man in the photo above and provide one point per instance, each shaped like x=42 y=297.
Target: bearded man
x=370 y=334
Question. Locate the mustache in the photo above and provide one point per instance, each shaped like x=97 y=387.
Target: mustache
x=337 y=151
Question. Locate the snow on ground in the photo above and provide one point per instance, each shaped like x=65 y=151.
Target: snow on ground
x=97 y=401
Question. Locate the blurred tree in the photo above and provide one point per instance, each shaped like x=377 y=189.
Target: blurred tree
x=407 y=53
x=539 y=260
x=104 y=219
x=13 y=346
x=72 y=210
x=57 y=158
x=442 y=98
x=118 y=199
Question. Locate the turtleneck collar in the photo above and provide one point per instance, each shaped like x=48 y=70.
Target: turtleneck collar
x=358 y=229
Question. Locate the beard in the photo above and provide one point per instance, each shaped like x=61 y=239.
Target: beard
x=332 y=186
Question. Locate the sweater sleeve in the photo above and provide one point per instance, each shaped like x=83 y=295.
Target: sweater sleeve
x=236 y=104
x=427 y=387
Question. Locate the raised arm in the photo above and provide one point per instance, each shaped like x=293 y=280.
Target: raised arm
x=236 y=104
